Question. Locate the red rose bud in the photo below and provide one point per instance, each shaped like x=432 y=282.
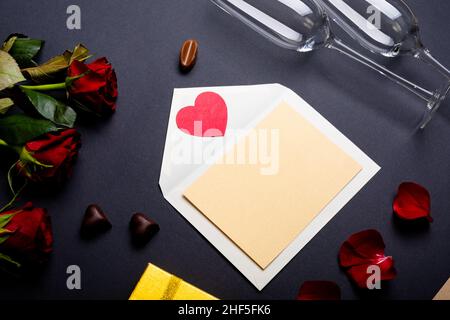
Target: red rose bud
x=96 y=89
x=25 y=235
x=319 y=290
x=363 y=250
x=52 y=157
x=412 y=202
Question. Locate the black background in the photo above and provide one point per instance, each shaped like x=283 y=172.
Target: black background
x=120 y=161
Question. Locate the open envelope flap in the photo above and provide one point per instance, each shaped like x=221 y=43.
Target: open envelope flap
x=247 y=105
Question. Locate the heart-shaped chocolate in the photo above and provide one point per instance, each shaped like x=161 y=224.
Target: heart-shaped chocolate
x=142 y=228
x=94 y=222
x=207 y=118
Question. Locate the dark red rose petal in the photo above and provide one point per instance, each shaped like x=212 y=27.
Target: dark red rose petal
x=360 y=273
x=319 y=290
x=412 y=202
x=362 y=250
x=360 y=247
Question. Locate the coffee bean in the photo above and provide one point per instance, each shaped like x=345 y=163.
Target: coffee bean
x=142 y=228
x=95 y=221
x=188 y=55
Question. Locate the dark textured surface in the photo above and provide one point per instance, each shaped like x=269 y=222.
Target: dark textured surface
x=120 y=160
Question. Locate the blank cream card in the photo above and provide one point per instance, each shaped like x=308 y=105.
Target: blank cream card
x=262 y=211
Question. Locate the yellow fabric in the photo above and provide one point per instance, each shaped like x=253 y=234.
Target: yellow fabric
x=157 y=284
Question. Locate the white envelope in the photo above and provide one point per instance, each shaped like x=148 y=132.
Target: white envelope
x=247 y=106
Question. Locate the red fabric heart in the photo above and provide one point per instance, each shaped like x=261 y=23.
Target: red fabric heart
x=207 y=118
x=412 y=202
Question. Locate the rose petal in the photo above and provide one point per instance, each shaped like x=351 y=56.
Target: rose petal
x=319 y=290
x=359 y=274
x=362 y=250
x=412 y=202
x=360 y=247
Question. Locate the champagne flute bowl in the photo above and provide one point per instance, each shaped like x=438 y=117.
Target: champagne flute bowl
x=386 y=27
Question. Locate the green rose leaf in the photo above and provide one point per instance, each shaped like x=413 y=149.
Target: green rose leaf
x=80 y=53
x=17 y=129
x=5 y=104
x=51 y=109
x=3 y=238
x=9 y=71
x=23 y=49
x=4 y=235
x=47 y=71
x=5 y=219
x=7 y=45
x=9 y=259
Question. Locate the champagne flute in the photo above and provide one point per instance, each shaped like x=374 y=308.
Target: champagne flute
x=386 y=27
x=302 y=25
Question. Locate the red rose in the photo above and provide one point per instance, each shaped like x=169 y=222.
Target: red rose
x=97 y=89
x=27 y=235
x=57 y=151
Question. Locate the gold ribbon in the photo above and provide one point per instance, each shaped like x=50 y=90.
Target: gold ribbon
x=172 y=288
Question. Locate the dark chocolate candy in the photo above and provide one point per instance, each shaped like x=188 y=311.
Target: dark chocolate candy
x=188 y=55
x=142 y=228
x=95 y=221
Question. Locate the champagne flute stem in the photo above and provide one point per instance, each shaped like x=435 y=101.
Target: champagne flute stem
x=425 y=55
x=338 y=45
